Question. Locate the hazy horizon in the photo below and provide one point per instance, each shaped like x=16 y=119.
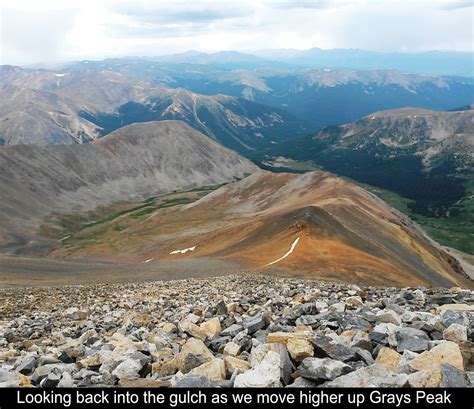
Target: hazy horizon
x=51 y=31
x=60 y=64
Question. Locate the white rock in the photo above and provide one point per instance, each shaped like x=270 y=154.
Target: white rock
x=66 y=381
x=338 y=307
x=388 y=316
x=128 y=369
x=264 y=375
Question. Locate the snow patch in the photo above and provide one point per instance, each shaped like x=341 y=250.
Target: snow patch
x=184 y=250
x=287 y=253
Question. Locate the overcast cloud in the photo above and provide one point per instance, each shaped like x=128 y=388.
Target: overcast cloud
x=33 y=31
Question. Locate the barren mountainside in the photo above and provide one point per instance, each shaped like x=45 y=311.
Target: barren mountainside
x=313 y=225
x=133 y=163
x=44 y=107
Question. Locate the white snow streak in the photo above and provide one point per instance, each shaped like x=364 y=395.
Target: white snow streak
x=287 y=253
x=184 y=250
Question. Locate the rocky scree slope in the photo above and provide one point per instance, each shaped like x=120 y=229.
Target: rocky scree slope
x=241 y=331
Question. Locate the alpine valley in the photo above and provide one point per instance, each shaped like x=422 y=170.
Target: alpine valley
x=217 y=163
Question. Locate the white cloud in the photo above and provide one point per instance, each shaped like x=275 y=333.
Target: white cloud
x=53 y=30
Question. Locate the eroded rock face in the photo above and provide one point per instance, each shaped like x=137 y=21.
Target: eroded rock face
x=236 y=331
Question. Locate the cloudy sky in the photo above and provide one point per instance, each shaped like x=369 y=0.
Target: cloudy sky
x=48 y=31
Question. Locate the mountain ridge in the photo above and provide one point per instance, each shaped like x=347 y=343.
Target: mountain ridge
x=135 y=162
x=84 y=105
x=313 y=225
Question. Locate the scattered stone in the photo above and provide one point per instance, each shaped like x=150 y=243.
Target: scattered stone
x=388 y=316
x=374 y=376
x=255 y=323
x=354 y=302
x=452 y=377
x=456 y=333
x=446 y=352
x=66 y=381
x=232 y=348
x=235 y=365
x=457 y=307
x=232 y=331
x=265 y=374
x=6 y=376
x=330 y=348
x=299 y=349
x=28 y=365
x=286 y=367
x=429 y=378
x=212 y=327
x=406 y=357
x=75 y=314
x=467 y=352
x=193 y=381
x=245 y=330
x=213 y=370
x=325 y=369
x=284 y=337
x=411 y=339
x=338 y=307
x=128 y=369
x=449 y=317
x=193 y=354
x=389 y=358
x=302 y=383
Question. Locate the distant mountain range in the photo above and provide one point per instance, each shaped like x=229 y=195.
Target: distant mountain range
x=430 y=62
x=335 y=229
x=95 y=136
x=43 y=107
x=237 y=123
x=318 y=94
x=244 y=109
x=332 y=97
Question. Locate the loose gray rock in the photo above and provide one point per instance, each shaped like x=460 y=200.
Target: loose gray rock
x=193 y=381
x=28 y=365
x=411 y=339
x=329 y=348
x=325 y=369
x=255 y=323
x=374 y=376
x=452 y=377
